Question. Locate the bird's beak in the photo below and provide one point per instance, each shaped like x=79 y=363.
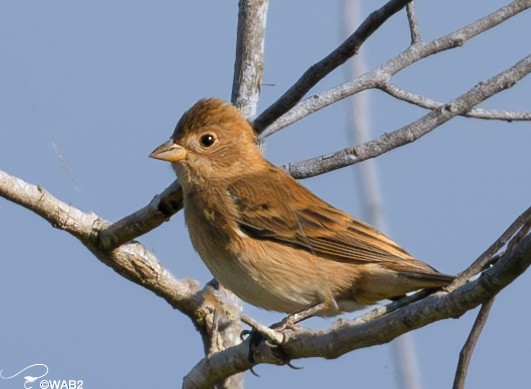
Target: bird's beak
x=169 y=151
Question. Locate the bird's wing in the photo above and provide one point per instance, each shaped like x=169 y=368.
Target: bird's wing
x=281 y=210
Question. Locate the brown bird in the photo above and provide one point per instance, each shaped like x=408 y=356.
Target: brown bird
x=269 y=239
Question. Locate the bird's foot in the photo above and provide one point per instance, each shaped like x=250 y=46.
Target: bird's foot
x=256 y=338
x=272 y=336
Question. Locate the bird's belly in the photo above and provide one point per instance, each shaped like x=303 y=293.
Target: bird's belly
x=267 y=277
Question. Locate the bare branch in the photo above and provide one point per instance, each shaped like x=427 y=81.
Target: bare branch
x=133 y=261
x=219 y=324
x=249 y=63
x=384 y=72
x=158 y=211
x=425 y=102
x=468 y=348
x=376 y=327
x=322 y=68
x=522 y=223
x=413 y=25
x=415 y=130
x=319 y=101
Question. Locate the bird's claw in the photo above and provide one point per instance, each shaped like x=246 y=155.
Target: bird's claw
x=256 y=338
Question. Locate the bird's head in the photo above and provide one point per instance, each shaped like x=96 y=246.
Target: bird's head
x=212 y=140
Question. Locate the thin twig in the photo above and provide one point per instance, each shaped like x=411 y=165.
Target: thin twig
x=413 y=24
x=322 y=68
x=479 y=264
x=468 y=348
x=415 y=130
x=519 y=236
x=384 y=72
x=477 y=113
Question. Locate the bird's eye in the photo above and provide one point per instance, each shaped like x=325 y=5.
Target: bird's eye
x=207 y=140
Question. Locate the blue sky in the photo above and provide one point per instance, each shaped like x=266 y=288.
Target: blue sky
x=88 y=89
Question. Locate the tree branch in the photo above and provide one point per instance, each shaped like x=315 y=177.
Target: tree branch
x=384 y=72
x=413 y=24
x=158 y=211
x=373 y=328
x=466 y=352
x=249 y=63
x=425 y=102
x=520 y=227
x=415 y=130
x=322 y=68
x=133 y=261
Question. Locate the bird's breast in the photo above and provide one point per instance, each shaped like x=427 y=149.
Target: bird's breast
x=263 y=273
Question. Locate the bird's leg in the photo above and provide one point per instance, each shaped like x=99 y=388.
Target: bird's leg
x=273 y=336
x=288 y=323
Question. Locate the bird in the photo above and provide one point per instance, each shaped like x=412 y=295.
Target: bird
x=269 y=239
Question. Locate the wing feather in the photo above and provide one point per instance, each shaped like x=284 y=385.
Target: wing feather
x=283 y=211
